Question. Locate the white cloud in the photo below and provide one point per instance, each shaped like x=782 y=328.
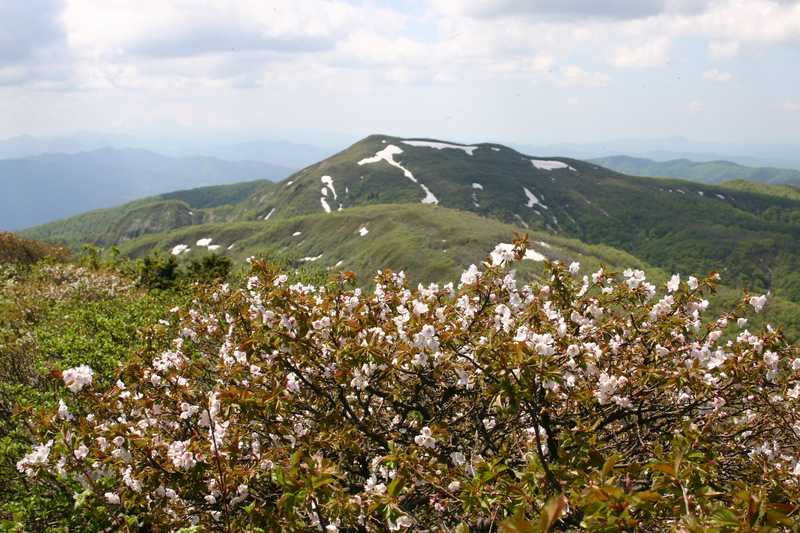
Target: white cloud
x=717 y=75
x=607 y=9
x=248 y=43
x=792 y=107
x=575 y=76
x=723 y=49
x=755 y=21
x=654 y=53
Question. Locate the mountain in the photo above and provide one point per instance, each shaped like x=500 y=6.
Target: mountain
x=27 y=145
x=51 y=186
x=703 y=172
x=664 y=149
x=753 y=239
x=276 y=152
x=115 y=225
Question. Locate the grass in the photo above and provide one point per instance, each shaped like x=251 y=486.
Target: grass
x=430 y=243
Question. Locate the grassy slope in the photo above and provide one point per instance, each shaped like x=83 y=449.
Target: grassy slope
x=781 y=191
x=150 y=215
x=704 y=172
x=430 y=243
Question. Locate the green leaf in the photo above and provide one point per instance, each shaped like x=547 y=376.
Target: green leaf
x=80 y=498
x=396 y=486
x=517 y=524
x=551 y=512
x=608 y=466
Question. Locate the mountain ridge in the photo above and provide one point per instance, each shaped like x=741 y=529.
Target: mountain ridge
x=53 y=186
x=711 y=172
x=753 y=239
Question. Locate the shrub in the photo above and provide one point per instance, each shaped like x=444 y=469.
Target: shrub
x=592 y=402
x=159 y=271
x=14 y=249
x=209 y=268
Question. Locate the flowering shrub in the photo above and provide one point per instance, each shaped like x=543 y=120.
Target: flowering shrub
x=575 y=402
x=58 y=316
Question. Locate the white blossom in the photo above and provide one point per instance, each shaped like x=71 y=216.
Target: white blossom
x=75 y=379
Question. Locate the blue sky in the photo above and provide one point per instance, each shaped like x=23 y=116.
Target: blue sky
x=526 y=71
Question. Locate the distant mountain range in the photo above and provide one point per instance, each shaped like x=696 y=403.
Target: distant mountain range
x=665 y=149
x=41 y=188
x=703 y=172
x=281 y=153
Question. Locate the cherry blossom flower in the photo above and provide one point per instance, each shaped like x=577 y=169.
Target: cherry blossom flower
x=78 y=377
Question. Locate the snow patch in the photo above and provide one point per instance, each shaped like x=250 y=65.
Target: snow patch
x=363 y=231
x=338 y=264
x=328 y=181
x=429 y=197
x=231 y=246
x=324 y=191
x=721 y=197
x=297 y=233
x=204 y=242
x=269 y=214
x=469 y=150
x=544 y=244
x=542 y=164
x=310 y=259
x=701 y=193
x=532 y=199
x=533 y=255
x=178 y=249
x=325 y=205
x=475 y=188
x=522 y=221
x=289 y=182
x=214 y=247
x=495 y=149
x=387 y=154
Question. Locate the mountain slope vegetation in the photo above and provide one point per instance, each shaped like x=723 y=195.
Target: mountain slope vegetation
x=430 y=243
x=678 y=226
x=703 y=172
x=106 y=227
x=782 y=191
x=43 y=188
x=14 y=249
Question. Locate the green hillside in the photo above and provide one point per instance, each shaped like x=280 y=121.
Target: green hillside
x=678 y=226
x=703 y=172
x=781 y=191
x=429 y=243
x=114 y=225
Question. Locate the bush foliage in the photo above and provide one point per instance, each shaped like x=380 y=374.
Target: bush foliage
x=594 y=402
